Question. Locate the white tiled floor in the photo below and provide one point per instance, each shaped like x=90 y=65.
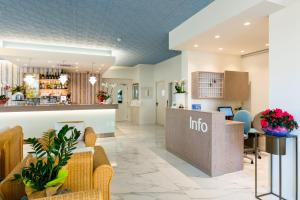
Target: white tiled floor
x=144 y=170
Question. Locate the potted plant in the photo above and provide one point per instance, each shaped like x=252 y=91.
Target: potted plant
x=46 y=172
x=102 y=96
x=18 y=92
x=277 y=124
x=105 y=95
x=180 y=94
x=3 y=99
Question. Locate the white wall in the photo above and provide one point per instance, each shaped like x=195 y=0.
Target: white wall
x=121 y=72
x=202 y=61
x=168 y=70
x=284 y=78
x=147 y=108
x=258 y=68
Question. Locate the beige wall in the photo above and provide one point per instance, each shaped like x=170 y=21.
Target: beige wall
x=211 y=62
x=258 y=68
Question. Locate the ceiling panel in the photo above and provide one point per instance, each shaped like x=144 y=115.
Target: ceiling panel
x=142 y=25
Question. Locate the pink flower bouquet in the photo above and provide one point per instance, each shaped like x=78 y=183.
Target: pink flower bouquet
x=278 y=122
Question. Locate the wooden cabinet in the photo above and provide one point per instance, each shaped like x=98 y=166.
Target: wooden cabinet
x=236 y=85
x=230 y=85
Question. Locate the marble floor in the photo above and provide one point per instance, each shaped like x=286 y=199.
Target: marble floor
x=144 y=170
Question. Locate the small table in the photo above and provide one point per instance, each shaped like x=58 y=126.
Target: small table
x=279 y=141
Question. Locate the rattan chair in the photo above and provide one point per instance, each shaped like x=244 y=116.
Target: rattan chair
x=11 y=150
x=87 y=171
x=89 y=137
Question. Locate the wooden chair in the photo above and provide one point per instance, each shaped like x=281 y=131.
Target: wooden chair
x=11 y=150
x=87 y=172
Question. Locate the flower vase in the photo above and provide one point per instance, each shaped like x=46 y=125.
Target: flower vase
x=180 y=100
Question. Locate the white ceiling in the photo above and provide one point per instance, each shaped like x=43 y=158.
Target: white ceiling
x=77 y=62
x=226 y=21
x=235 y=38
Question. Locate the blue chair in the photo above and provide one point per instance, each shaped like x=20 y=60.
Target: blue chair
x=245 y=117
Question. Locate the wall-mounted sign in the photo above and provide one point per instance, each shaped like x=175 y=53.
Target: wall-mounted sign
x=198 y=125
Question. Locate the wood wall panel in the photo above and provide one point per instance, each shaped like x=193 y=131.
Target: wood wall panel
x=14 y=75
x=82 y=92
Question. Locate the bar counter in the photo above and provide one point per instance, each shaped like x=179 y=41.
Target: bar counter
x=206 y=140
x=37 y=119
x=57 y=107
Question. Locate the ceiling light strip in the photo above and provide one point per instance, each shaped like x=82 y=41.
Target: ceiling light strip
x=54 y=48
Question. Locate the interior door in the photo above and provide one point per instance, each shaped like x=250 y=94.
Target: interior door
x=120 y=97
x=161 y=102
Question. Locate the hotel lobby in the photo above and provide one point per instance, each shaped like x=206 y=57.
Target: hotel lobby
x=149 y=99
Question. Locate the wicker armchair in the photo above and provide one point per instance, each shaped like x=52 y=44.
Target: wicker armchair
x=11 y=150
x=88 y=172
x=89 y=137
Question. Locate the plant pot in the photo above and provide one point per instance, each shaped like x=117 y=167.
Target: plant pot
x=41 y=194
x=276 y=145
x=51 y=188
x=180 y=100
x=3 y=101
x=278 y=132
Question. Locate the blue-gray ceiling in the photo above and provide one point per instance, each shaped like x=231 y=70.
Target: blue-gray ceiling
x=143 y=25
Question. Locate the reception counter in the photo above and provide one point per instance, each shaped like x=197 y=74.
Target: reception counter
x=37 y=119
x=205 y=140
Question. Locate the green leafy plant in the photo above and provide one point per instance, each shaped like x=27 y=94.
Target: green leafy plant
x=179 y=86
x=3 y=97
x=18 y=88
x=52 y=153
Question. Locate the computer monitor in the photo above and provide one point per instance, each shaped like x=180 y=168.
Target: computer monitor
x=227 y=110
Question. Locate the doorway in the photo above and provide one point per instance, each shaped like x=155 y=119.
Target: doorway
x=120 y=97
x=161 y=102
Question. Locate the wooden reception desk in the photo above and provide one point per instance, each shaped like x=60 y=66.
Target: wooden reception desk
x=205 y=140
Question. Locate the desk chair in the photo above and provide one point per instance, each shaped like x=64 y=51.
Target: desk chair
x=257 y=129
x=245 y=117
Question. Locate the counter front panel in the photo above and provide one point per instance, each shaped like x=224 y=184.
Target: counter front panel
x=205 y=140
x=37 y=119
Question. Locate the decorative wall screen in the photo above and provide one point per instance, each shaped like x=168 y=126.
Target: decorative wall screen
x=206 y=85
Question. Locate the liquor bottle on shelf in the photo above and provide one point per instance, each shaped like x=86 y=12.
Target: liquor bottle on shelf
x=42 y=76
x=47 y=75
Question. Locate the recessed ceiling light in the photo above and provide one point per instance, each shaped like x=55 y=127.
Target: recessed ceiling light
x=119 y=39
x=196 y=45
x=217 y=36
x=242 y=51
x=247 y=23
x=220 y=49
x=267 y=44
